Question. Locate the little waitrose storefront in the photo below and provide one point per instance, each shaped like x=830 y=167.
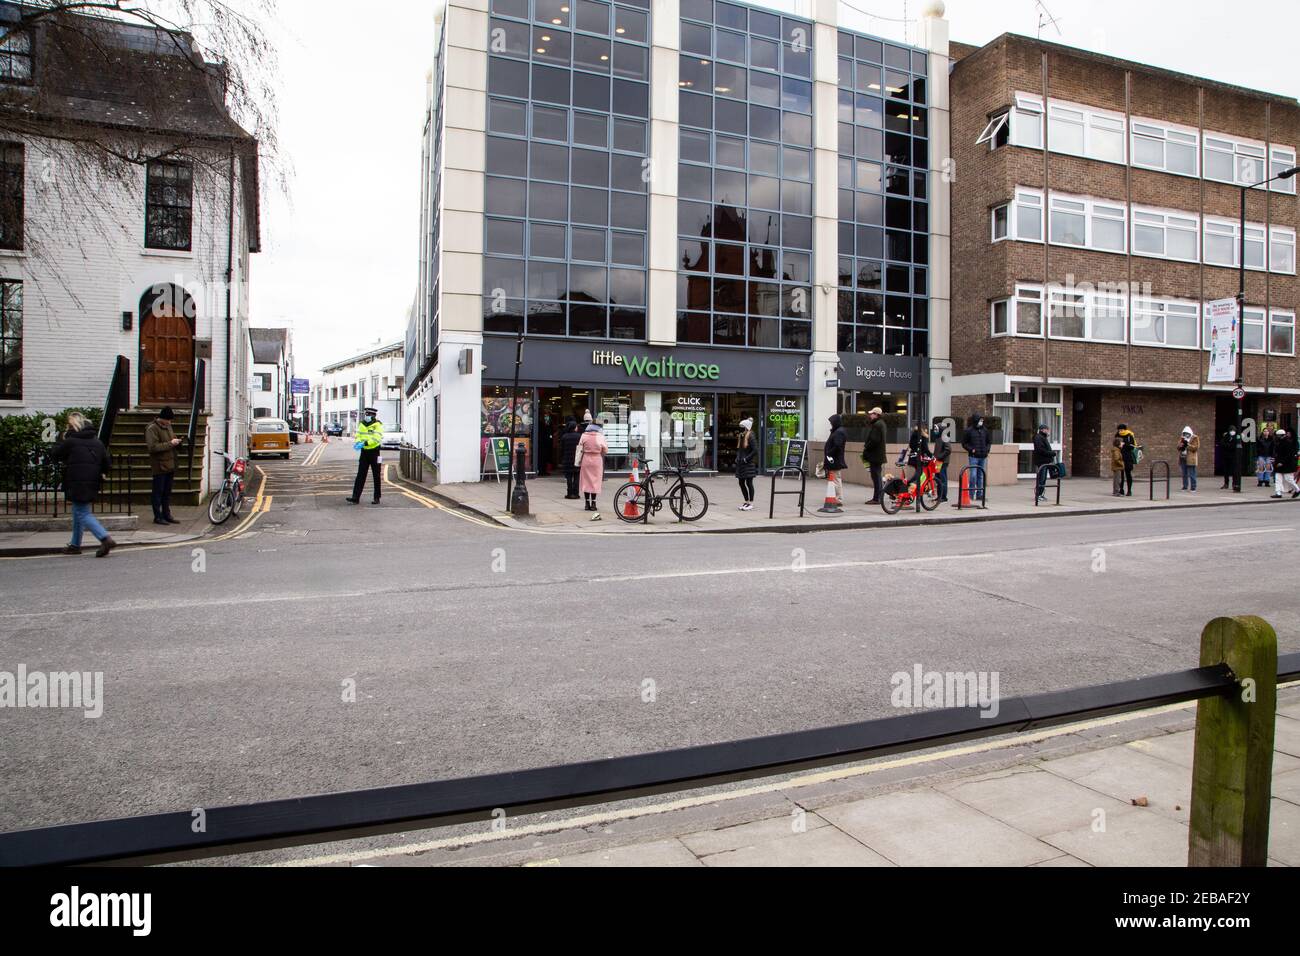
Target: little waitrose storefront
x=655 y=404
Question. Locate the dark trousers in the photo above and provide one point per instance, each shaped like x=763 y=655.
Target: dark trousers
x=369 y=460
x=1128 y=478
x=941 y=481
x=876 y=480
x=161 y=496
x=571 y=481
x=747 y=488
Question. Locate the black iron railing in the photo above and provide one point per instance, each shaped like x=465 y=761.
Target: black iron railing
x=1152 y=479
x=31 y=486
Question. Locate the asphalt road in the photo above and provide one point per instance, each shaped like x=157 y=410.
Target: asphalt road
x=475 y=649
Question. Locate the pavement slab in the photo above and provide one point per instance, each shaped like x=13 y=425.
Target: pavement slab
x=1033 y=801
x=824 y=846
x=1126 y=774
x=1135 y=836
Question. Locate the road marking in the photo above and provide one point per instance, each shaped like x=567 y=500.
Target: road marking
x=1188 y=537
x=685 y=803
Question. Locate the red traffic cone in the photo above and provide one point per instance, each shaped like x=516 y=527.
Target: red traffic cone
x=631 y=507
x=965 y=489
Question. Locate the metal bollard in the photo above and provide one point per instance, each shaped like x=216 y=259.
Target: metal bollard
x=519 y=498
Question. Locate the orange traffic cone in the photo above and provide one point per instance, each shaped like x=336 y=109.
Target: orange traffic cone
x=965 y=489
x=631 y=509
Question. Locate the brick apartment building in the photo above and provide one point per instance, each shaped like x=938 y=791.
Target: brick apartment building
x=1095 y=209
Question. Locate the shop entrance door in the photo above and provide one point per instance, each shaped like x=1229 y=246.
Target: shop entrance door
x=732 y=410
x=555 y=406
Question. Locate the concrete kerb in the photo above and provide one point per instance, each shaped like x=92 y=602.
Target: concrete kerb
x=515 y=524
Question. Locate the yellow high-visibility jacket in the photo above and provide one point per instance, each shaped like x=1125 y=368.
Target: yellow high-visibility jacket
x=371 y=436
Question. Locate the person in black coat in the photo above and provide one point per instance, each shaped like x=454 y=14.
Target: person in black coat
x=834 y=464
x=85 y=461
x=1044 y=454
x=942 y=452
x=1233 y=449
x=918 y=452
x=1265 y=452
x=1285 y=454
x=568 y=455
x=747 y=462
x=977 y=441
x=874 y=451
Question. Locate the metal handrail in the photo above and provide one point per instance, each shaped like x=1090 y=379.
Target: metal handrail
x=244 y=828
x=196 y=406
x=788 y=472
x=1152 y=479
x=1045 y=480
x=984 y=485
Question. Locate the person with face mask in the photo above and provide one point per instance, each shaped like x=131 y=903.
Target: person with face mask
x=977 y=441
x=942 y=452
x=747 y=462
x=1233 y=447
x=1284 y=464
x=369 y=438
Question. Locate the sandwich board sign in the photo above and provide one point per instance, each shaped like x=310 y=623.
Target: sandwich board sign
x=496 y=461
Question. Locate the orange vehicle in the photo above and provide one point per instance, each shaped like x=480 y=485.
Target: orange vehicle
x=898 y=493
x=268 y=436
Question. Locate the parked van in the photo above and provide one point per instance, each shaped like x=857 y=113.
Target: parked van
x=268 y=436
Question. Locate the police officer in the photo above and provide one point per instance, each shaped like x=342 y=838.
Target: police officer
x=370 y=436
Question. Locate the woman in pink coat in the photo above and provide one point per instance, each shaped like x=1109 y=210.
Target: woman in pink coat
x=593 y=449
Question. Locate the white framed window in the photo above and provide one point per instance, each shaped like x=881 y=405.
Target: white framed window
x=1027 y=121
x=1026 y=309
x=999 y=314
x=1000 y=224
x=1086 y=223
x=1170 y=323
x=1163 y=234
x=1281 y=332
x=1281 y=158
x=997 y=132
x=1231 y=160
x=1095 y=315
x=1281 y=250
x=1028 y=222
x=1084 y=131
x=1171 y=149
x=1222 y=245
x=1252 y=329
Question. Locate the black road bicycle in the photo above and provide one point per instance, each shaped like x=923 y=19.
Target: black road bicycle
x=638 y=500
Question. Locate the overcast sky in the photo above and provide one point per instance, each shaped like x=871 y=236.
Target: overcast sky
x=339 y=256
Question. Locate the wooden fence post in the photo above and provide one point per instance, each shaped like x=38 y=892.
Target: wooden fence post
x=1233 y=766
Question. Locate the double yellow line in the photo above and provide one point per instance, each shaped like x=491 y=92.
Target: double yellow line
x=312 y=457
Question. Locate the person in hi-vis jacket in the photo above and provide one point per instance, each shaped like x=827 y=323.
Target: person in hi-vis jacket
x=370 y=437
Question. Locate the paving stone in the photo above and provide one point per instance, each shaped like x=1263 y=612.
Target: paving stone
x=1286 y=737
x=1284 y=832
x=825 y=846
x=709 y=842
x=1125 y=774
x=658 y=853
x=1135 y=836
x=1286 y=786
x=1034 y=801
x=1066 y=860
x=927 y=828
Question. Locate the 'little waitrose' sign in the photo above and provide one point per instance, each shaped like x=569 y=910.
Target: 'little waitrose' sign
x=641 y=366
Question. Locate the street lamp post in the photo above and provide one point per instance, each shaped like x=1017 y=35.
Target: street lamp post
x=1241 y=295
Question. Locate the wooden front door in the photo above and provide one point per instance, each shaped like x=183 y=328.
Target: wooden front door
x=166 y=358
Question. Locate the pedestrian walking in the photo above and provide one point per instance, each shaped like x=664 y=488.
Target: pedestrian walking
x=1233 y=448
x=592 y=449
x=369 y=442
x=977 y=441
x=874 y=452
x=942 y=451
x=569 y=457
x=747 y=462
x=1285 y=453
x=834 y=466
x=1189 y=447
x=1117 y=468
x=162 y=442
x=1264 y=452
x=1128 y=447
x=85 y=462
x=1043 y=456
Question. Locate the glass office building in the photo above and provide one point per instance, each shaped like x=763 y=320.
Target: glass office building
x=652 y=219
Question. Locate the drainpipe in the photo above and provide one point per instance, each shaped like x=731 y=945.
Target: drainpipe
x=230 y=272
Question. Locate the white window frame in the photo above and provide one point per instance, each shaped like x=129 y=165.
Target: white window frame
x=1092 y=210
x=1091 y=119
x=1006 y=223
x=1160 y=307
x=1009 y=315
x=1239 y=148
x=1164 y=220
x=1027 y=115
x=1029 y=200
x=1252 y=315
x=1280 y=158
x=1092 y=299
x=1283 y=236
x=1152 y=130
x=1255 y=233
x=995 y=125
x=1029 y=294
x=1280 y=317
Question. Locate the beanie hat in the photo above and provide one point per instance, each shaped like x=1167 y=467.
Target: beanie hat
x=747 y=423
x=166 y=414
